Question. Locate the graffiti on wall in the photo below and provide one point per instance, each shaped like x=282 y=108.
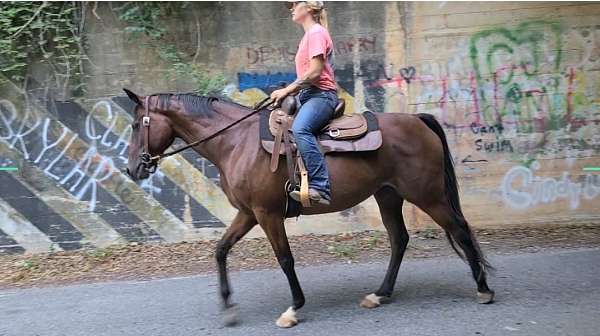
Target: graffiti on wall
x=284 y=54
x=519 y=77
x=378 y=81
x=80 y=154
x=522 y=93
x=533 y=85
x=264 y=81
x=522 y=189
x=269 y=55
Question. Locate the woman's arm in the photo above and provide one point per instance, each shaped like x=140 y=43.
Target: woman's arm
x=317 y=64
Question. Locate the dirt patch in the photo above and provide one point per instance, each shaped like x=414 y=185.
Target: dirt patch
x=136 y=261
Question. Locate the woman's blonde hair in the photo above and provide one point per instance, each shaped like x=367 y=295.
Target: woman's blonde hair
x=318 y=12
x=323 y=18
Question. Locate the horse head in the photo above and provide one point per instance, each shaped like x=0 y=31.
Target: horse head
x=151 y=135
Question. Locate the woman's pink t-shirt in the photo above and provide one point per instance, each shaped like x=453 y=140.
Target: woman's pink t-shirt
x=316 y=41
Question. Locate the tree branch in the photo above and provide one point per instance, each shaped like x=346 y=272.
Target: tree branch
x=94 y=10
x=198 y=38
x=37 y=12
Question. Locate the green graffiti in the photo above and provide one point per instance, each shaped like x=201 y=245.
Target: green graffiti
x=514 y=94
x=530 y=37
x=491 y=54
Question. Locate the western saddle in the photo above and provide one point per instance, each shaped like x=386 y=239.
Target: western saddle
x=344 y=133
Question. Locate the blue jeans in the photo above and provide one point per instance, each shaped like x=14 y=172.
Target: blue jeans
x=317 y=107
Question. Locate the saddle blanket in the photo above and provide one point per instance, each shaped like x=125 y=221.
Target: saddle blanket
x=370 y=141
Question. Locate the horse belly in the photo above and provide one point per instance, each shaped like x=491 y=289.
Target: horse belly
x=352 y=178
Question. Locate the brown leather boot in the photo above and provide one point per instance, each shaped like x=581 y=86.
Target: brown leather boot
x=313 y=195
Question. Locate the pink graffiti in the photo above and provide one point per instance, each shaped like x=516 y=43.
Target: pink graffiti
x=476 y=111
x=266 y=54
x=570 y=95
x=365 y=44
x=395 y=81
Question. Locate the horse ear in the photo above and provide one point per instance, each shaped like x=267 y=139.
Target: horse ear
x=135 y=98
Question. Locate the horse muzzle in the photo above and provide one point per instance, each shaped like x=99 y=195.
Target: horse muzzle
x=148 y=165
x=140 y=172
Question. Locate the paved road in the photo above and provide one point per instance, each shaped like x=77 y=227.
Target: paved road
x=550 y=293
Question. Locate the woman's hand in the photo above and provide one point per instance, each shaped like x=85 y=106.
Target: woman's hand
x=278 y=95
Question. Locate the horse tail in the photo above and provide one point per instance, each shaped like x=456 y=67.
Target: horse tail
x=451 y=191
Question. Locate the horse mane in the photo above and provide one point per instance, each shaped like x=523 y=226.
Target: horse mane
x=195 y=104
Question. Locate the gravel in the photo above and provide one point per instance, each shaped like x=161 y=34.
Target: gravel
x=147 y=261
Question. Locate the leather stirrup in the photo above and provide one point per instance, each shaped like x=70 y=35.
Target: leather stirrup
x=288 y=151
x=276 y=149
x=304 y=195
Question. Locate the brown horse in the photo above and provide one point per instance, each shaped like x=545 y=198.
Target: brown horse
x=413 y=164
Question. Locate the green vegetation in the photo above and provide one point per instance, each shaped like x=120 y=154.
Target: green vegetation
x=47 y=33
x=30 y=264
x=50 y=34
x=100 y=254
x=343 y=250
x=374 y=241
x=430 y=232
x=146 y=19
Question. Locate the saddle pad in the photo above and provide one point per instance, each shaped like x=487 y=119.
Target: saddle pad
x=371 y=141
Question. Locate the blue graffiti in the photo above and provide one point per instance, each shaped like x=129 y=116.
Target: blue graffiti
x=266 y=82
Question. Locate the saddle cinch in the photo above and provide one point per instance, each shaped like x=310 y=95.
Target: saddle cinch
x=344 y=133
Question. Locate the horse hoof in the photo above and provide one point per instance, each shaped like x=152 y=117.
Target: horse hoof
x=287 y=319
x=370 y=301
x=485 y=297
x=230 y=316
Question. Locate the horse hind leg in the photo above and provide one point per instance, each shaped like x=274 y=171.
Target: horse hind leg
x=390 y=206
x=458 y=232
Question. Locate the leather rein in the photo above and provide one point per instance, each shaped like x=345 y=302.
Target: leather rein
x=149 y=163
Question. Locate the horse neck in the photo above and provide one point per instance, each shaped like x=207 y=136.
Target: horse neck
x=217 y=150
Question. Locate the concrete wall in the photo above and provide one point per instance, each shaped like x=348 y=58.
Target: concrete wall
x=515 y=85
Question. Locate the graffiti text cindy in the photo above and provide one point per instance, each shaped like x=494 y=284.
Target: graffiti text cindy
x=521 y=189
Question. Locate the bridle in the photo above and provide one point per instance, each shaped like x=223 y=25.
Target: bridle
x=149 y=163
x=146 y=160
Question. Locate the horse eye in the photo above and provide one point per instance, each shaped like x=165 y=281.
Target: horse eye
x=135 y=125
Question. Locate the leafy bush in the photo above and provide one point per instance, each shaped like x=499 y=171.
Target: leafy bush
x=50 y=34
x=146 y=19
x=44 y=32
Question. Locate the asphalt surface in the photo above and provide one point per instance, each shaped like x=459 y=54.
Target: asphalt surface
x=548 y=293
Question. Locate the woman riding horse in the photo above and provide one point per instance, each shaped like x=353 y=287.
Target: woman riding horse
x=318 y=95
x=414 y=163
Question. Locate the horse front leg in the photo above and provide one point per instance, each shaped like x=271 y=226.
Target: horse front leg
x=242 y=223
x=273 y=226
